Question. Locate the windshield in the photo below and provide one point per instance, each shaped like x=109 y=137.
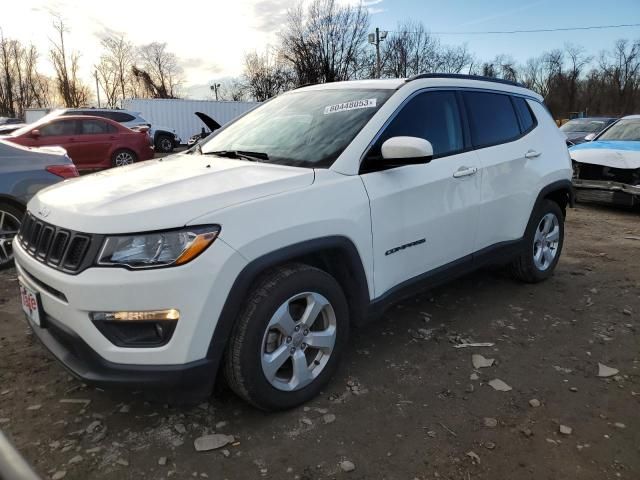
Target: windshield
x=37 y=123
x=588 y=126
x=304 y=129
x=623 y=130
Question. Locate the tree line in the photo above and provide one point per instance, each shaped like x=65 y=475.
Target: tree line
x=319 y=41
x=124 y=70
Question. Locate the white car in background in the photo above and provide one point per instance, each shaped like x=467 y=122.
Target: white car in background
x=607 y=169
x=254 y=252
x=164 y=139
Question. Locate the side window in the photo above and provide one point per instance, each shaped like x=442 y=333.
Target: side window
x=60 y=128
x=94 y=127
x=527 y=120
x=121 y=117
x=492 y=119
x=433 y=116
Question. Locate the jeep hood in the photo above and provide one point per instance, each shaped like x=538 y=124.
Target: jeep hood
x=160 y=194
x=611 y=153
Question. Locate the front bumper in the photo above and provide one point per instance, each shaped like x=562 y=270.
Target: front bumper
x=84 y=363
x=604 y=191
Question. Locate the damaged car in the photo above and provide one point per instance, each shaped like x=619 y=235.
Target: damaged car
x=607 y=169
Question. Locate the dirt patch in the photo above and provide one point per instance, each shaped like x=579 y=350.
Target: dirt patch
x=406 y=404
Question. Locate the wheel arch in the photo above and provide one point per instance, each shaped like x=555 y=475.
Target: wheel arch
x=336 y=255
x=560 y=192
x=14 y=202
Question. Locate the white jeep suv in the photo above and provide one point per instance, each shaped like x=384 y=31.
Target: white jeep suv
x=255 y=252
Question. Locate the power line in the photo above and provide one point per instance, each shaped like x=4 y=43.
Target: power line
x=537 y=30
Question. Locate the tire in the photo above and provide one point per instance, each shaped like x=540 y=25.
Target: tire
x=10 y=221
x=164 y=144
x=123 y=157
x=260 y=333
x=542 y=250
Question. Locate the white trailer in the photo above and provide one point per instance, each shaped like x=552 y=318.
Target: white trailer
x=180 y=115
x=34 y=114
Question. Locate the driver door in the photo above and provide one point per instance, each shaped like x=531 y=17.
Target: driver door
x=423 y=216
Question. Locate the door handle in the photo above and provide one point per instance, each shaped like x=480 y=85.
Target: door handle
x=72 y=139
x=112 y=137
x=465 y=172
x=531 y=154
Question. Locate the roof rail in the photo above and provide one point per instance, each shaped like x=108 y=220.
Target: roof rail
x=461 y=76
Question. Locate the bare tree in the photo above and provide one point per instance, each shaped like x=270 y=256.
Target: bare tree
x=115 y=69
x=266 y=77
x=158 y=70
x=21 y=85
x=325 y=41
x=409 y=51
x=621 y=68
x=454 y=59
x=72 y=90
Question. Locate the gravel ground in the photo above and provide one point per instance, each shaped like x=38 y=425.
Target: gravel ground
x=406 y=403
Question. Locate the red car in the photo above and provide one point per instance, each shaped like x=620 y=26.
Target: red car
x=91 y=142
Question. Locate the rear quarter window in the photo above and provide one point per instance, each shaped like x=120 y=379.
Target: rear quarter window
x=525 y=115
x=492 y=118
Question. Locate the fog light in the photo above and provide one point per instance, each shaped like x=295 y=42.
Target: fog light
x=141 y=316
x=139 y=329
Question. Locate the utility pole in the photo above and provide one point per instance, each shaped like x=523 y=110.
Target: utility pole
x=375 y=39
x=97 y=87
x=215 y=88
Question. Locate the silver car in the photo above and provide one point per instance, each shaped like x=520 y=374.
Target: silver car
x=24 y=171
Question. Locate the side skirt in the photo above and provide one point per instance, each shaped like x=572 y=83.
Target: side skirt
x=498 y=254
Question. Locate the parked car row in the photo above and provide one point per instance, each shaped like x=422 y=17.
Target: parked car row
x=91 y=142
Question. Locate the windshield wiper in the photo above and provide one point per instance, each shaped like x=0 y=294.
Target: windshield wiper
x=251 y=156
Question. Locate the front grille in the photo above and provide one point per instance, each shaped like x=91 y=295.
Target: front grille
x=57 y=247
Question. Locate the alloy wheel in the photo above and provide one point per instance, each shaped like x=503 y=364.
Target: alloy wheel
x=123 y=158
x=9 y=226
x=298 y=341
x=546 y=241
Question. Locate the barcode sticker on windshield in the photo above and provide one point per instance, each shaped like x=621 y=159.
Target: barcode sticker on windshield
x=353 y=105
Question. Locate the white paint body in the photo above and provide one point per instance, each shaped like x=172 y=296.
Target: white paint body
x=263 y=208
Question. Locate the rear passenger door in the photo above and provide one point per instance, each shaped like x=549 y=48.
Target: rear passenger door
x=95 y=139
x=503 y=133
x=423 y=216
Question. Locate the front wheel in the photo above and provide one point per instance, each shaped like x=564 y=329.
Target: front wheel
x=543 y=242
x=287 y=343
x=10 y=220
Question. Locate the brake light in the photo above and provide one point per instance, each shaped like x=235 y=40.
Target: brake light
x=64 y=171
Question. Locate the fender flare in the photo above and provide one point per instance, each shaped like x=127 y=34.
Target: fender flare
x=557 y=186
x=251 y=272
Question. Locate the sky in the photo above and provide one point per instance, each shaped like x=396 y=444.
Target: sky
x=211 y=37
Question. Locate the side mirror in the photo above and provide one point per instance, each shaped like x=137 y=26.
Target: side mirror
x=35 y=133
x=398 y=151
x=590 y=137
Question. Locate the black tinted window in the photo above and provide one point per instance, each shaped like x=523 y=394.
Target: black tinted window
x=60 y=128
x=96 y=127
x=527 y=121
x=491 y=118
x=121 y=116
x=433 y=116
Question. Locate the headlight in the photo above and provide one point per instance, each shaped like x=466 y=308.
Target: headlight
x=157 y=249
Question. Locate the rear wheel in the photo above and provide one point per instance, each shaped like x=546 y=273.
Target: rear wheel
x=543 y=244
x=123 y=157
x=288 y=340
x=10 y=220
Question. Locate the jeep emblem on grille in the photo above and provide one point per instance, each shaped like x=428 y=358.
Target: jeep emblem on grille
x=44 y=212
